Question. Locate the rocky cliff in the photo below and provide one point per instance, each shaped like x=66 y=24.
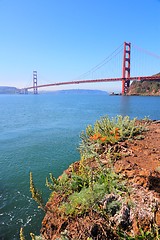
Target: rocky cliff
x=113 y=192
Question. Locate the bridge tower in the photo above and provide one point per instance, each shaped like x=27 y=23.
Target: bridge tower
x=126 y=67
x=35 y=90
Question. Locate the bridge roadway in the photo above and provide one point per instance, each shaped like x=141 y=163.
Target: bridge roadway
x=146 y=78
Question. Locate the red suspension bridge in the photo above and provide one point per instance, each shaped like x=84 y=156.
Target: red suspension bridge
x=125 y=78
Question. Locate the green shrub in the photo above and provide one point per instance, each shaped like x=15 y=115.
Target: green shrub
x=107 y=131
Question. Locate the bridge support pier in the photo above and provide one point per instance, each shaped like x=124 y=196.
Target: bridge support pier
x=126 y=68
x=25 y=91
x=35 y=89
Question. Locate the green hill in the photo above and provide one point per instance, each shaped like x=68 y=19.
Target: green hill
x=148 y=88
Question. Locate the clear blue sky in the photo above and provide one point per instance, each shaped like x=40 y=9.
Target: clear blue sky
x=62 y=39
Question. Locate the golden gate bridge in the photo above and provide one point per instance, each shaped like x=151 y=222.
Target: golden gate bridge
x=125 y=78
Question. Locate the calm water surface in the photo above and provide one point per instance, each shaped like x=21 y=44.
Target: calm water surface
x=41 y=134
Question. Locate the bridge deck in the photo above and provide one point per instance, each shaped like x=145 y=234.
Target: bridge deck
x=146 y=78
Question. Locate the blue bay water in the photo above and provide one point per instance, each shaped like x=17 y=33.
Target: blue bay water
x=40 y=133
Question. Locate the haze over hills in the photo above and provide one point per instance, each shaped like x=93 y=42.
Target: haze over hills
x=9 y=90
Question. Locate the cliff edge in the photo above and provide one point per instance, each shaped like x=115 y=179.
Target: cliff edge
x=113 y=192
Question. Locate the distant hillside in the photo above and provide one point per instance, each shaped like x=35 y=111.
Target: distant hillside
x=81 y=91
x=8 y=90
x=75 y=91
x=146 y=88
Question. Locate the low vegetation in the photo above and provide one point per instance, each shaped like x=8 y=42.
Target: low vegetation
x=89 y=186
x=107 y=132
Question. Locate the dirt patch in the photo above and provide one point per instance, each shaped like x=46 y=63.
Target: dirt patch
x=142 y=164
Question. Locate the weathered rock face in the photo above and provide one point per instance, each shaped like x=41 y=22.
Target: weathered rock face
x=150 y=88
x=139 y=165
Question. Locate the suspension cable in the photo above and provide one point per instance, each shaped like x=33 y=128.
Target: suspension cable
x=146 y=51
x=102 y=63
